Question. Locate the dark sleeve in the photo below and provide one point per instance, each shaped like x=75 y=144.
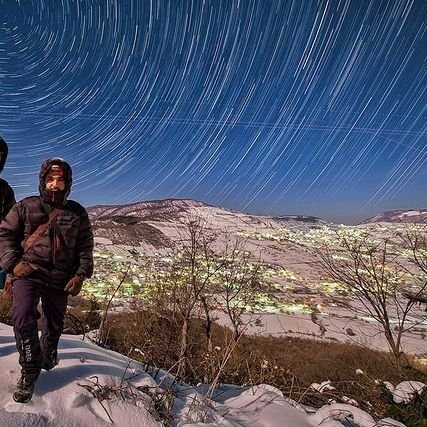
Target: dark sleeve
x=85 y=248
x=9 y=201
x=7 y=198
x=11 y=236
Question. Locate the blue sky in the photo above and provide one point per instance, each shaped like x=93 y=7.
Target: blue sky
x=271 y=107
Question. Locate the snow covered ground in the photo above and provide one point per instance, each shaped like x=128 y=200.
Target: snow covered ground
x=71 y=395
x=336 y=325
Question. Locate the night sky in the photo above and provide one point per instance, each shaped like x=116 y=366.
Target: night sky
x=269 y=107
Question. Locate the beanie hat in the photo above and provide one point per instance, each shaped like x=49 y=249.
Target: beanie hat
x=55 y=170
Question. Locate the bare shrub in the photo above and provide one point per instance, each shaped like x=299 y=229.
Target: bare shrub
x=377 y=275
x=83 y=315
x=203 y=274
x=158 y=402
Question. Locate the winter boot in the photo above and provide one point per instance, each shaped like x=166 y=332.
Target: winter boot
x=25 y=388
x=30 y=359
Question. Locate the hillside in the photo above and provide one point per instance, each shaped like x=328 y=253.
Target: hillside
x=286 y=246
x=151 y=227
x=418 y=216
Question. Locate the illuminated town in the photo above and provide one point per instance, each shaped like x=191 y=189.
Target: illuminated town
x=295 y=288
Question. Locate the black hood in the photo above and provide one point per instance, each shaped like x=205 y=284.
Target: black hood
x=3 y=153
x=68 y=178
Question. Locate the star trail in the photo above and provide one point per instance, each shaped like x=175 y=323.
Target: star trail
x=269 y=107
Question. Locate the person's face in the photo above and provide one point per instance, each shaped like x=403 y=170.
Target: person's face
x=55 y=182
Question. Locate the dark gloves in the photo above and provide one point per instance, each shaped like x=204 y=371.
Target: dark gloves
x=74 y=286
x=23 y=269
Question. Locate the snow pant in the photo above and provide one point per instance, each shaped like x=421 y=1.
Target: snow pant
x=32 y=350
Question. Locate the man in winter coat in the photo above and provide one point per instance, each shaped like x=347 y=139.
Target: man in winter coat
x=54 y=266
x=7 y=197
x=7 y=200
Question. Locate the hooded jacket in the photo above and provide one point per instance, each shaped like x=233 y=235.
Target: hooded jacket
x=64 y=250
x=7 y=196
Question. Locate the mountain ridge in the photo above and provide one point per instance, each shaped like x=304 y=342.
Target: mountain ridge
x=156 y=221
x=100 y=211
x=147 y=213
x=418 y=216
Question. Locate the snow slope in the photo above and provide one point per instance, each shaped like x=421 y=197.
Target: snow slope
x=67 y=396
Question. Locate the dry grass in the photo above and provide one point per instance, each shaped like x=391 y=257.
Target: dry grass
x=290 y=364
x=5 y=311
x=83 y=315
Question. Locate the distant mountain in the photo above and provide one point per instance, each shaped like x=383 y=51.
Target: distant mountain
x=152 y=227
x=305 y=219
x=400 y=216
x=155 y=222
x=135 y=224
